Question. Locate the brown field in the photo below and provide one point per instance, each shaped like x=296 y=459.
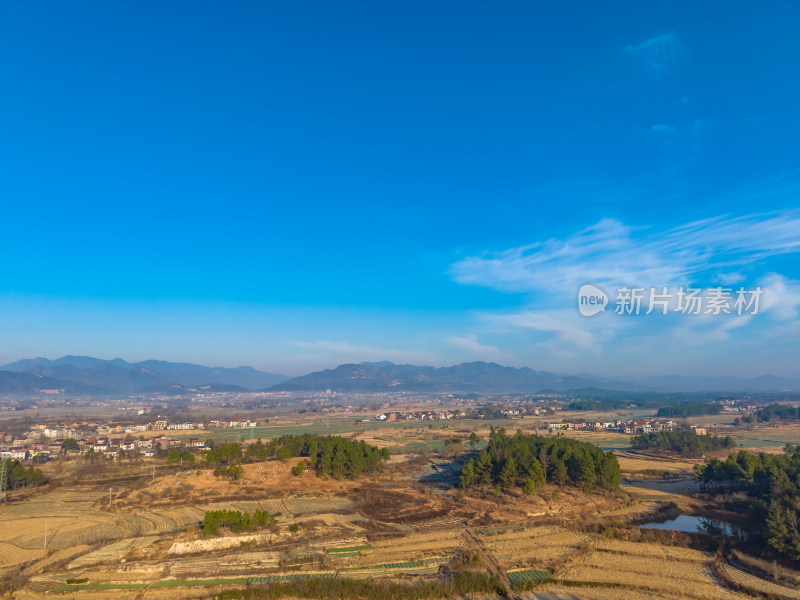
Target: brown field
x=634 y=464
x=751 y=582
x=536 y=548
x=684 y=574
x=391 y=525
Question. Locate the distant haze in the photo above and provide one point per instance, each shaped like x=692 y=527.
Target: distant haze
x=88 y=375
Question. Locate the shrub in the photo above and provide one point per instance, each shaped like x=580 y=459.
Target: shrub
x=236 y=520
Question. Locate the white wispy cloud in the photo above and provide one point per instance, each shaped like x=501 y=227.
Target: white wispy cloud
x=346 y=352
x=564 y=325
x=659 y=54
x=781 y=297
x=558 y=328
x=470 y=345
x=663 y=129
x=613 y=254
x=701 y=254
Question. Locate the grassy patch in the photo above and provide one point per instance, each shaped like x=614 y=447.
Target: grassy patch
x=100 y=586
x=527 y=575
x=164 y=583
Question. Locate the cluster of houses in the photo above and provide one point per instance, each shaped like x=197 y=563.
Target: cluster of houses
x=103 y=446
x=233 y=424
x=46 y=441
x=630 y=427
x=424 y=415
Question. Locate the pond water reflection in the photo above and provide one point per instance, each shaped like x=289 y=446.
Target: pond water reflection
x=693 y=524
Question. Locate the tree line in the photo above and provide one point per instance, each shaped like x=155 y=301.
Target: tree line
x=689 y=410
x=775 y=412
x=18 y=476
x=532 y=460
x=456 y=585
x=332 y=455
x=237 y=521
x=597 y=405
x=686 y=443
x=771 y=484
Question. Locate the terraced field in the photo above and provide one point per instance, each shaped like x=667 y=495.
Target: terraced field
x=71 y=519
x=109 y=552
x=207 y=566
x=672 y=575
x=527 y=575
x=563 y=592
x=535 y=546
x=751 y=582
x=12 y=555
x=412 y=547
x=651 y=550
x=350 y=549
x=62 y=514
x=230 y=564
x=273 y=507
x=450 y=522
x=332 y=519
x=299 y=506
x=112 y=552
x=60 y=555
x=266 y=560
x=184 y=515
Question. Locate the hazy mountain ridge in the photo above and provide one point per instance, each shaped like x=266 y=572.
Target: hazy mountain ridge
x=120 y=376
x=89 y=375
x=480 y=377
x=28 y=383
x=483 y=377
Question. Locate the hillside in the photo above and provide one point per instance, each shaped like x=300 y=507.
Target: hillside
x=26 y=383
x=479 y=377
x=120 y=376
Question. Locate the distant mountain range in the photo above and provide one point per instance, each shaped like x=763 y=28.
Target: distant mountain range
x=478 y=377
x=486 y=378
x=87 y=375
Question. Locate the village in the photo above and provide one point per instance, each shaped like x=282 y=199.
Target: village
x=42 y=441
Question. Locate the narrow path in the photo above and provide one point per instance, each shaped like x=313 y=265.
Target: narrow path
x=494 y=567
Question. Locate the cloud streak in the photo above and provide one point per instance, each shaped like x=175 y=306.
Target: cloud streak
x=472 y=347
x=613 y=254
x=659 y=54
x=338 y=352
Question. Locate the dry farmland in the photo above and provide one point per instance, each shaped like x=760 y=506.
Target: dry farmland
x=142 y=540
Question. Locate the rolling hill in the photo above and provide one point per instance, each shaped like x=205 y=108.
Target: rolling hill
x=122 y=377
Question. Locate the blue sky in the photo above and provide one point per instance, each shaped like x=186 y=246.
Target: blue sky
x=296 y=185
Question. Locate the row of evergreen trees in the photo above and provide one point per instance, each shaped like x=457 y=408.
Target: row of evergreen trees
x=533 y=460
x=777 y=412
x=225 y=454
x=689 y=409
x=18 y=476
x=686 y=443
x=236 y=520
x=328 y=455
x=772 y=487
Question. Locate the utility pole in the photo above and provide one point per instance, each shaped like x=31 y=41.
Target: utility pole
x=3 y=475
x=109 y=496
x=154 y=471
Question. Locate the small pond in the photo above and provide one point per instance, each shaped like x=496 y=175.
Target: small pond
x=693 y=524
